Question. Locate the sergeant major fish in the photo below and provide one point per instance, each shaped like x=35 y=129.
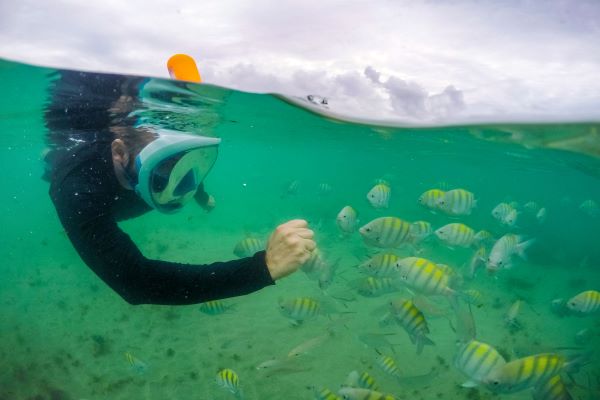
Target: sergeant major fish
x=379 y=196
x=346 y=219
x=431 y=198
x=228 y=379
x=476 y=360
x=457 y=202
x=413 y=321
x=248 y=247
x=587 y=302
x=386 y=232
x=505 y=249
x=456 y=234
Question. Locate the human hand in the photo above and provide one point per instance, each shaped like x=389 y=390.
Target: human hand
x=290 y=246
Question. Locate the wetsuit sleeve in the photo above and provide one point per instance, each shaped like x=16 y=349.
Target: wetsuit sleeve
x=115 y=258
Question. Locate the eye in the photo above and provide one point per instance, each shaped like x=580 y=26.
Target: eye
x=368 y=229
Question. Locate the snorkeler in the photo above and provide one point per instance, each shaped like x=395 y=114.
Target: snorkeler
x=104 y=169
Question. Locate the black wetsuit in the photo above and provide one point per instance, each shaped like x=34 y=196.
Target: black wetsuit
x=89 y=201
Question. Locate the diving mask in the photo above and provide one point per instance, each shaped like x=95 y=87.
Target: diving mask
x=171 y=168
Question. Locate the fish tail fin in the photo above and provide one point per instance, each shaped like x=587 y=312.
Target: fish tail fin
x=422 y=341
x=522 y=248
x=576 y=361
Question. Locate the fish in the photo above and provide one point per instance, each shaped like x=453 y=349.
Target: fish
x=379 y=196
x=300 y=309
x=228 y=379
x=590 y=207
x=483 y=238
x=136 y=364
x=424 y=276
x=308 y=345
x=476 y=360
x=362 y=380
x=456 y=234
x=315 y=265
x=584 y=336
x=248 y=247
x=327 y=274
x=587 y=302
x=413 y=321
x=381 y=265
x=419 y=231
x=457 y=202
x=376 y=340
x=347 y=219
x=531 y=207
x=388 y=365
x=478 y=259
x=349 y=393
x=214 y=307
x=511 y=218
x=501 y=211
x=291 y=189
x=525 y=372
x=325 y=189
x=504 y=249
x=541 y=215
x=552 y=389
x=510 y=319
x=431 y=198
x=386 y=232
x=325 y=394
x=473 y=297
x=374 y=287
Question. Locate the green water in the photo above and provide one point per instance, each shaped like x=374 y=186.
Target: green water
x=64 y=333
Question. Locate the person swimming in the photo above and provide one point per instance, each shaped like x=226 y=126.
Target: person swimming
x=103 y=169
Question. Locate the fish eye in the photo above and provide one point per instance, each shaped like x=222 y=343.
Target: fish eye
x=368 y=229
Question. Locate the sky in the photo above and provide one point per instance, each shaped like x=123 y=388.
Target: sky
x=395 y=60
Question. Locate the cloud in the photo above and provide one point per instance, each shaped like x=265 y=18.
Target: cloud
x=425 y=61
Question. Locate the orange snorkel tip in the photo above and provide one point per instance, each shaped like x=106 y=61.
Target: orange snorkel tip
x=183 y=67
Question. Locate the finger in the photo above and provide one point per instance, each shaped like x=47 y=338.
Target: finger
x=296 y=223
x=304 y=233
x=310 y=245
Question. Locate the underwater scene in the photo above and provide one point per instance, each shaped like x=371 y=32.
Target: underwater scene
x=452 y=262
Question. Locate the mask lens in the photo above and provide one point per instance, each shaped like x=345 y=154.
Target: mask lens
x=175 y=179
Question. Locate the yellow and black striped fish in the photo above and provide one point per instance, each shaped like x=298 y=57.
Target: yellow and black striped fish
x=456 y=234
x=386 y=232
x=379 y=195
x=423 y=276
x=413 y=321
x=300 y=308
x=552 y=389
x=476 y=360
x=431 y=198
x=363 y=380
x=587 y=302
x=229 y=380
x=457 y=202
x=248 y=247
x=524 y=373
x=214 y=307
x=325 y=394
x=373 y=287
x=388 y=365
x=419 y=231
x=349 y=393
x=380 y=266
